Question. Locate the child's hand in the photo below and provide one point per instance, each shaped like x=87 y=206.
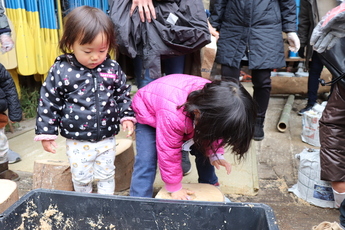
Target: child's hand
x=222 y=162
x=49 y=146
x=182 y=194
x=128 y=125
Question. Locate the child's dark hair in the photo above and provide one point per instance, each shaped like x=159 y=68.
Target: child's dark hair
x=227 y=116
x=83 y=24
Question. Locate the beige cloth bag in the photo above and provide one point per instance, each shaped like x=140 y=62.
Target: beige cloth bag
x=208 y=54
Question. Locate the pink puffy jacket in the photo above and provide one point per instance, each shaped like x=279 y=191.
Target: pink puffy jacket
x=156 y=105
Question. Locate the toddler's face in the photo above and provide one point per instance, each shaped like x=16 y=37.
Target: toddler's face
x=92 y=54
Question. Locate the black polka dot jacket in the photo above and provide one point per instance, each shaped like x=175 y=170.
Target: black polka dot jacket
x=84 y=104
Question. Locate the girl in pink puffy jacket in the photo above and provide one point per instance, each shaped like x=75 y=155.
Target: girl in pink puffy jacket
x=178 y=108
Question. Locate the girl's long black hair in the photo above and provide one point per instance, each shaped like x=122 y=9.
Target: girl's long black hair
x=227 y=116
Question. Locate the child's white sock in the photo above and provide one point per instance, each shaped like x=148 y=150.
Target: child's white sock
x=338 y=198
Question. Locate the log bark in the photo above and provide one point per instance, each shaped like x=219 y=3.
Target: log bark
x=52 y=174
x=297 y=85
x=124 y=162
x=8 y=195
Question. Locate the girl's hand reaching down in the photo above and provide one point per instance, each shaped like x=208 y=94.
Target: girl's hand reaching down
x=222 y=162
x=49 y=146
x=182 y=194
x=128 y=126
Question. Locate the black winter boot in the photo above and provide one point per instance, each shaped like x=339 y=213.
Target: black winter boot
x=259 y=129
x=5 y=173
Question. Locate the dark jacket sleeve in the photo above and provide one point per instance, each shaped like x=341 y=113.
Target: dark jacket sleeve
x=49 y=109
x=9 y=88
x=288 y=14
x=217 y=11
x=123 y=98
x=304 y=23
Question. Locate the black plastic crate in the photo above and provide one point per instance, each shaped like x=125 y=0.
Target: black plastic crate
x=54 y=209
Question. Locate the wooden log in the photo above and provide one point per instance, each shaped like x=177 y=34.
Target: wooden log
x=203 y=192
x=124 y=162
x=8 y=195
x=52 y=174
x=55 y=174
x=297 y=85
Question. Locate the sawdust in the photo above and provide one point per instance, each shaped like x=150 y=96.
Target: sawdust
x=97 y=224
x=112 y=227
x=49 y=218
x=28 y=214
x=283 y=186
x=52 y=218
x=46 y=221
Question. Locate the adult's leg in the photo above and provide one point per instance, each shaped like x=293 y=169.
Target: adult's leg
x=230 y=73
x=174 y=64
x=315 y=70
x=206 y=171
x=145 y=164
x=138 y=69
x=261 y=79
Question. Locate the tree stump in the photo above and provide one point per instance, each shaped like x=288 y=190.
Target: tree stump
x=202 y=192
x=8 y=195
x=52 y=174
x=55 y=174
x=124 y=162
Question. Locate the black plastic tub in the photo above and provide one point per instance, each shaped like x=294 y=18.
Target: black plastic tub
x=54 y=209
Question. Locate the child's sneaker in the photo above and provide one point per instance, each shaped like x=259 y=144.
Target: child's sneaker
x=13 y=157
x=186 y=165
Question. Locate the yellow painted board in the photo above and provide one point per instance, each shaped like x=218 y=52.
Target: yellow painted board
x=9 y=59
x=24 y=44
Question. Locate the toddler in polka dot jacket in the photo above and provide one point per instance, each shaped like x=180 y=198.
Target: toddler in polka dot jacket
x=85 y=97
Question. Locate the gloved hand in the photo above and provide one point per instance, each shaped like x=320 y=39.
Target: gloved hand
x=329 y=29
x=293 y=40
x=6 y=42
x=301 y=52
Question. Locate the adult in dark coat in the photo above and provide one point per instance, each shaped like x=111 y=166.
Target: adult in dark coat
x=180 y=28
x=251 y=31
x=311 y=12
